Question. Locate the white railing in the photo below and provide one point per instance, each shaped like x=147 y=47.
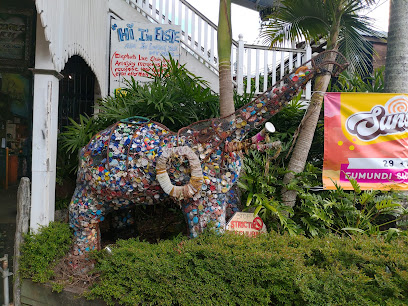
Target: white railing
x=199 y=34
x=261 y=66
x=249 y=63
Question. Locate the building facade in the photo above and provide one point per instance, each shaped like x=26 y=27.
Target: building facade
x=54 y=64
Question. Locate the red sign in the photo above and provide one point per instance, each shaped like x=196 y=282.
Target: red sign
x=258 y=223
x=246 y=224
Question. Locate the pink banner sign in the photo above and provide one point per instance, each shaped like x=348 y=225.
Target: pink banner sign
x=366 y=138
x=376 y=176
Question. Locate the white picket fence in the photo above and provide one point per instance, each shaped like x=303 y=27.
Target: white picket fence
x=254 y=65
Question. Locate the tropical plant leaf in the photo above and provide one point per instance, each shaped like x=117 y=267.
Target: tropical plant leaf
x=249 y=199
x=257 y=210
x=354 y=184
x=352 y=229
x=392 y=233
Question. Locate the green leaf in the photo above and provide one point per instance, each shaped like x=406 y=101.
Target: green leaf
x=354 y=184
x=352 y=229
x=392 y=233
x=249 y=199
x=257 y=210
x=242 y=185
x=270 y=207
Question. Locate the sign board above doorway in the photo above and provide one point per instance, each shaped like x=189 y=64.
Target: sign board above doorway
x=136 y=47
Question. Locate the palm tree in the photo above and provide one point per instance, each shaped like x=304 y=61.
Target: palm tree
x=342 y=25
x=224 y=57
x=397 y=48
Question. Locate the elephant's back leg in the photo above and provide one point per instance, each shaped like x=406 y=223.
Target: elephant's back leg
x=85 y=213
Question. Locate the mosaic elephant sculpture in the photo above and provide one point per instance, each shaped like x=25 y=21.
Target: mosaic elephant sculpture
x=138 y=161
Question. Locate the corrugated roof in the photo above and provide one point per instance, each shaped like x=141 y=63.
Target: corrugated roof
x=254 y=4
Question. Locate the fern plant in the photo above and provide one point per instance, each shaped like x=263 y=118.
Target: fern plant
x=349 y=212
x=349 y=82
x=261 y=184
x=374 y=209
x=316 y=214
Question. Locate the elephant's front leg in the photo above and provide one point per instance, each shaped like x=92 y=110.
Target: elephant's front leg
x=85 y=213
x=204 y=212
x=233 y=198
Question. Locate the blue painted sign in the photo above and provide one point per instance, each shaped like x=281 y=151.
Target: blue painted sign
x=136 y=47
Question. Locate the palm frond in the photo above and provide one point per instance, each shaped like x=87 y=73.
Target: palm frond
x=296 y=20
x=311 y=20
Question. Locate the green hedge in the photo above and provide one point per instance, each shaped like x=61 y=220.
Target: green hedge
x=41 y=251
x=272 y=269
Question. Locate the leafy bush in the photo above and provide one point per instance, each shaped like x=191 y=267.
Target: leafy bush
x=349 y=82
x=40 y=252
x=287 y=123
x=356 y=211
x=338 y=211
x=71 y=140
x=262 y=183
x=175 y=98
x=269 y=270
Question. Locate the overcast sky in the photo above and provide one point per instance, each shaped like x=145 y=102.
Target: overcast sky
x=247 y=22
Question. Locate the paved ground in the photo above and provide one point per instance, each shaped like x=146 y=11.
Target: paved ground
x=8 y=212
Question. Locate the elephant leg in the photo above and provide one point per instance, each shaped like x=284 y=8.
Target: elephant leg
x=85 y=212
x=216 y=212
x=204 y=212
x=191 y=215
x=233 y=201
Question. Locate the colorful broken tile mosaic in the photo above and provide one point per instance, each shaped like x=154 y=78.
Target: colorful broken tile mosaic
x=138 y=161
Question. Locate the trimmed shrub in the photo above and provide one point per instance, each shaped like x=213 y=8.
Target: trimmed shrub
x=272 y=269
x=40 y=252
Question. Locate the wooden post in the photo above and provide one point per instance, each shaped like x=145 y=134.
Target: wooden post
x=22 y=223
x=7 y=165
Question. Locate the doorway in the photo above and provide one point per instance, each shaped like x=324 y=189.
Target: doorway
x=76 y=98
x=76 y=91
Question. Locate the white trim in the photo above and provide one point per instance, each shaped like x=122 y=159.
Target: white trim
x=81 y=30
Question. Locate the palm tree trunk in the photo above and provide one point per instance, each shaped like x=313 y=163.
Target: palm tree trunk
x=304 y=141
x=299 y=156
x=397 y=48
x=224 y=42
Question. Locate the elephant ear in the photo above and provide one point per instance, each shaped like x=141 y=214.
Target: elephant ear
x=196 y=180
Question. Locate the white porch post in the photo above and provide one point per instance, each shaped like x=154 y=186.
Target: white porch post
x=45 y=124
x=308 y=94
x=240 y=65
